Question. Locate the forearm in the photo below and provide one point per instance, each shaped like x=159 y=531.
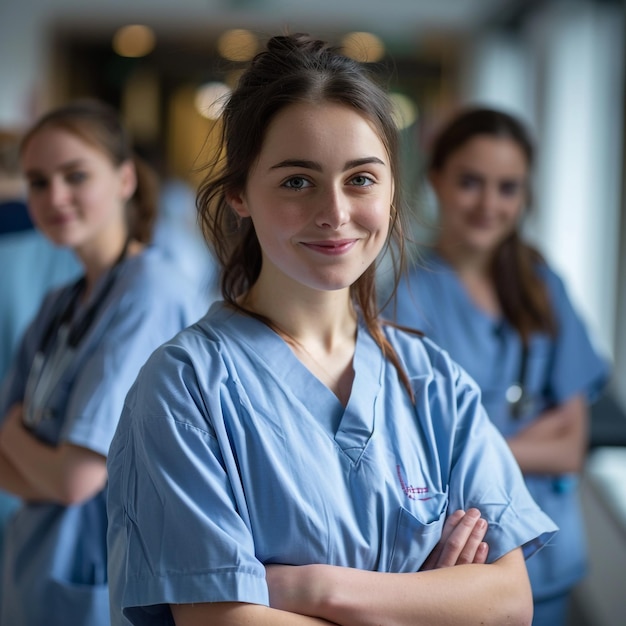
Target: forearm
x=495 y=594
x=239 y=614
x=546 y=457
x=13 y=482
x=63 y=474
x=35 y=461
x=556 y=443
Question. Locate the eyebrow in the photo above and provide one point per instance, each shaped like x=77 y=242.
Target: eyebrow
x=468 y=171
x=314 y=165
x=64 y=166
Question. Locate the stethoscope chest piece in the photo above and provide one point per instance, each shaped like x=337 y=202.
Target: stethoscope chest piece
x=514 y=394
x=519 y=400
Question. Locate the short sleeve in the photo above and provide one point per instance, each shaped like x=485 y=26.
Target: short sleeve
x=137 y=327
x=577 y=367
x=484 y=474
x=166 y=457
x=148 y=305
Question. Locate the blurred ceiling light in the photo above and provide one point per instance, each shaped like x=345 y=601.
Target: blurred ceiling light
x=237 y=45
x=134 y=40
x=211 y=98
x=404 y=109
x=363 y=47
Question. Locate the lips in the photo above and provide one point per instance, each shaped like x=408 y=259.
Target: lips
x=59 y=219
x=332 y=247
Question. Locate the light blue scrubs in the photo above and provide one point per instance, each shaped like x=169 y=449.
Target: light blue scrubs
x=55 y=563
x=31 y=266
x=489 y=349
x=231 y=455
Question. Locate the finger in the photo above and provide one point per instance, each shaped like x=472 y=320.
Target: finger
x=473 y=543
x=461 y=539
x=450 y=524
x=481 y=553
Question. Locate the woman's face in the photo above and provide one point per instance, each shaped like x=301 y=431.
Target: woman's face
x=76 y=195
x=319 y=197
x=481 y=191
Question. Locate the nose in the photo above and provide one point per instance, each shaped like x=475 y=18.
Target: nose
x=58 y=193
x=334 y=211
x=489 y=199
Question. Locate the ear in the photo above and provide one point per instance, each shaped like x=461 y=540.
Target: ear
x=238 y=203
x=128 y=180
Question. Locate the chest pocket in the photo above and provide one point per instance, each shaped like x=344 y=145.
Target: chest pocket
x=415 y=538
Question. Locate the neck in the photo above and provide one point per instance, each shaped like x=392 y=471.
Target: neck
x=465 y=261
x=474 y=271
x=320 y=329
x=98 y=260
x=325 y=318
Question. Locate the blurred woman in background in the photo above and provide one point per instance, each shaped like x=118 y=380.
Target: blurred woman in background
x=492 y=302
x=61 y=399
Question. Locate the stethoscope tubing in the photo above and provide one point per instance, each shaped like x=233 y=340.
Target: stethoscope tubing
x=516 y=394
x=59 y=343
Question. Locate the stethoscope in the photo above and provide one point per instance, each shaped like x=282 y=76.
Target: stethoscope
x=59 y=342
x=519 y=400
x=521 y=403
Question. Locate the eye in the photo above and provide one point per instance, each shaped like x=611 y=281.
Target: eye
x=468 y=181
x=296 y=182
x=37 y=184
x=510 y=188
x=361 y=180
x=76 y=177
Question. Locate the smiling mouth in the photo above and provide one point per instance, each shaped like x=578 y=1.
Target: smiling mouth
x=60 y=219
x=331 y=248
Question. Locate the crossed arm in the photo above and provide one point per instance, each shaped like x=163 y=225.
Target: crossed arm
x=470 y=593
x=35 y=471
x=556 y=443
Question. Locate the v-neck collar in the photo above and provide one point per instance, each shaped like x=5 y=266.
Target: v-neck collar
x=350 y=427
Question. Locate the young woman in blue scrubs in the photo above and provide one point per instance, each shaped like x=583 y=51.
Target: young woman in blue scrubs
x=61 y=399
x=289 y=459
x=492 y=302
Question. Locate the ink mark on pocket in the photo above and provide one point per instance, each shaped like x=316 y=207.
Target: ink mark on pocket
x=411 y=492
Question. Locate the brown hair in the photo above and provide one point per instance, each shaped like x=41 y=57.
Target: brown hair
x=522 y=294
x=99 y=125
x=292 y=69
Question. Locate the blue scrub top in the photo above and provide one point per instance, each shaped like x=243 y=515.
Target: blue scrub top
x=231 y=455
x=55 y=563
x=433 y=299
x=31 y=267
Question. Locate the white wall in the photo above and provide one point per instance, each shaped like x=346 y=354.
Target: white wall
x=498 y=73
x=580 y=173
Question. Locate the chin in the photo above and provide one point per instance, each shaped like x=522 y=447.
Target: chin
x=484 y=244
x=331 y=283
x=62 y=240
